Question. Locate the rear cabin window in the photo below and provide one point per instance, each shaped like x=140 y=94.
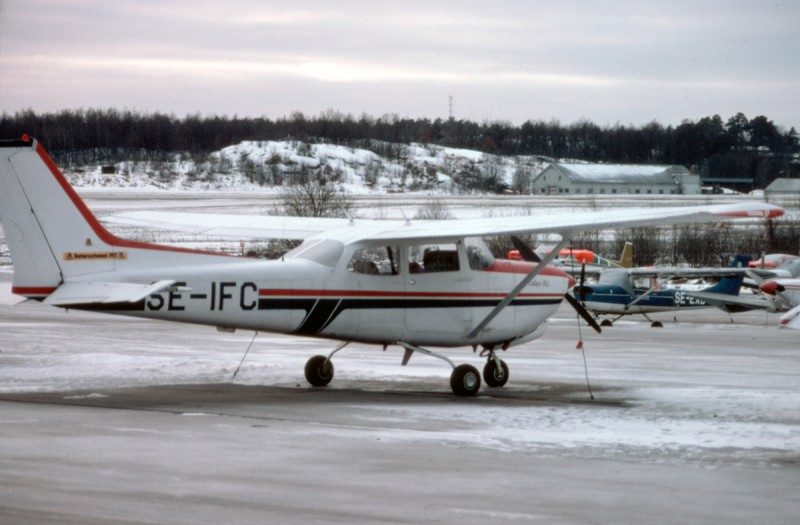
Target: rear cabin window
x=433 y=258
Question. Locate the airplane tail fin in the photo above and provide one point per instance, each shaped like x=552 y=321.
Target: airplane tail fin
x=626 y=259
x=51 y=233
x=731 y=285
x=36 y=268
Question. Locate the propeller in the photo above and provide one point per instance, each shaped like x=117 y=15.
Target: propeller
x=524 y=250
x=529 y=255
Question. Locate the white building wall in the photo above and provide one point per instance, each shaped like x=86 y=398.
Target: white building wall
x=555 y=181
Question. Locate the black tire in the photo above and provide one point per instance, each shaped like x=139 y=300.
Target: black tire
x=494 y=375
x=606 y=323
x=465 y=380
x=319 y=370
x=656 y=324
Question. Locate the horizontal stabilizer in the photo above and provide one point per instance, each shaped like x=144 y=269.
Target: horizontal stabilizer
x=7 y=297
x=83 y=293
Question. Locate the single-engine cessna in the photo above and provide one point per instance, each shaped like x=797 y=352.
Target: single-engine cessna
x=620 y=292
x=786 y=293
x=577 y=261
x=782 y=264
x=414 y=284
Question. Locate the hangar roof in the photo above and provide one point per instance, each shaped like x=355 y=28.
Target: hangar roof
x=619 y=173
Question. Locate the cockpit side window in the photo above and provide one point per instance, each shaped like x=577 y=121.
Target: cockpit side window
x=375 y=260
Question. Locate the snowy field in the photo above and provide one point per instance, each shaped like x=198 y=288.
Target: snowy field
x=115 y=420
x=701 y=391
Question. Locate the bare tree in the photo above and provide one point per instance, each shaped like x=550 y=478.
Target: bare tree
x=434 y=209
x=312 y=199
x=521 y=181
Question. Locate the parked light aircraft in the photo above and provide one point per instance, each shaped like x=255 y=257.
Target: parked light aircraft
x=787 y=295
x=414 y=284
x=646 y=290
x=783 y=264
x=783 y=288
x=587 y=260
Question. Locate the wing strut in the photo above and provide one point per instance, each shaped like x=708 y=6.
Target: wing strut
x=657 y=286
x=530 y=256
x=517 y=289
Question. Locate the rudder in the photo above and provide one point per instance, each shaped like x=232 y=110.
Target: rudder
x=54 y=238
x=36 y=268
x=731 y=285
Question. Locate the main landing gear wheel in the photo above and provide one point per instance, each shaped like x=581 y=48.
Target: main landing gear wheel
x=495 y=373
x=319 y=370
x=465 y=380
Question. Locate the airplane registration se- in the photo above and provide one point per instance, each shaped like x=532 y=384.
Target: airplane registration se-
x=620 y=292
x=410 y=283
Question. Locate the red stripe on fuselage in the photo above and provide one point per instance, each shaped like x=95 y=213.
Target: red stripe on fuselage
x=524 y=267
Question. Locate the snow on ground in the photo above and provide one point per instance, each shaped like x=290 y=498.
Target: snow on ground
x=701 y=391
x=253 y=166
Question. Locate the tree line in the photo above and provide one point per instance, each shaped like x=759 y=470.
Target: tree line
x=738 y=147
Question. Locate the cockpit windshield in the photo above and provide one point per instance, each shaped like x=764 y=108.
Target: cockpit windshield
x=322 y=251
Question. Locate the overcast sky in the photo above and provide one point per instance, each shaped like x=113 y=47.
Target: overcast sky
x=606 y=61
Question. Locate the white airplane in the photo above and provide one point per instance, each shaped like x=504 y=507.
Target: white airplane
x=576 y=261
x=783 y=264
x=786 y=293
x=774 y=265
x=784 y=289
x=414 y=284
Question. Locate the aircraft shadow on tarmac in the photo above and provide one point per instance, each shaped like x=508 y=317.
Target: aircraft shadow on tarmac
x=184 y=398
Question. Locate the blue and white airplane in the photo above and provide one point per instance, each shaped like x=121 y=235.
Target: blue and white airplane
x=620 y=292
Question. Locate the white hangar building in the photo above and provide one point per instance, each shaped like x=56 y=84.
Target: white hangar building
x=562 y=178
x=783 y=187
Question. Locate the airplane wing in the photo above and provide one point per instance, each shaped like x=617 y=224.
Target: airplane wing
x=225 y=225
x=733 y=303
x=353 y=230
x=668 y=272
x=77 y=293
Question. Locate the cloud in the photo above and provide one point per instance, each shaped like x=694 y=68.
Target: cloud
x=513 y=60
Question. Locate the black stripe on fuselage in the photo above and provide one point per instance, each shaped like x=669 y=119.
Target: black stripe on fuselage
x=322 y=312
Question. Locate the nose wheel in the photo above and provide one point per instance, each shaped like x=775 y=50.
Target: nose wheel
x=319 y=370
x=495 y=373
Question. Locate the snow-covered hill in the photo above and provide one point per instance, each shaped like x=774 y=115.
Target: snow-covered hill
x=264 y=165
